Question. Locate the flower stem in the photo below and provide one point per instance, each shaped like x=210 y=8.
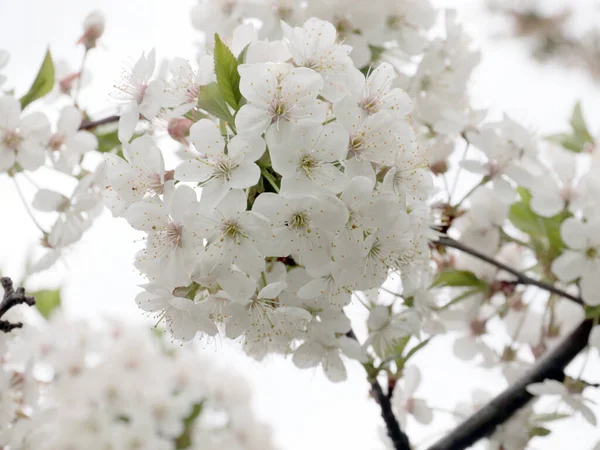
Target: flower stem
x=29 y=212
x=270 y=179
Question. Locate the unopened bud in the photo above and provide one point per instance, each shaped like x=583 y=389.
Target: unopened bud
x=477 y=327
x=439 y=167
x=509 y=354
x=66 y=84
x=93 y=27
x=538 y=350
x=179 y=129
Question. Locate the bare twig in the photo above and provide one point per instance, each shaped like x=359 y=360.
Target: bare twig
x=11 y=299
x=446 y=241
x=395 y=433
x=484 y=422
x=89 y=124
x=398 y=437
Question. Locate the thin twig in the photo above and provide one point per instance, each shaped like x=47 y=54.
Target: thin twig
x=398 y=437
x=88 y=124
x=484 y=422
x=26 y=205
x=447 y=241
x=11 y=299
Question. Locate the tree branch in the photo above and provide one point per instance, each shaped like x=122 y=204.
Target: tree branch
x=89 y=124
x=395 y=433
x=446 y=241
x=11 y=299
x=484 y=422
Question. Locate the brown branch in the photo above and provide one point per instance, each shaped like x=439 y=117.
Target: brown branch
x=89 y=124
x=12 y=298
x=398 y=437
x=484 y=422
x=446 y=241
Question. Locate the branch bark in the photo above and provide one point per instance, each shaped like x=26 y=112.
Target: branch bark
x=12 y=298
x=484 y=422
x=398 y=437
x=446 y=241
x=395 y=433
x=89 y=124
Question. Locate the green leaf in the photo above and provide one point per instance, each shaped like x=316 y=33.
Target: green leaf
x=548 y=228
x=456 y=278
x=211 y=100
x=539 y=431
x=241 y=59
x=592 y=312
x=43 y=83
x=571 y=142
x=47 y=301
x=228 y=77
x=578 y=124
x=185 y=439
x=416 y=348
x=108 y=141
x=550 y=417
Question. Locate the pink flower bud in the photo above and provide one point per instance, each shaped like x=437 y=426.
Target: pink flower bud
x=93 y=27
x=179 y=129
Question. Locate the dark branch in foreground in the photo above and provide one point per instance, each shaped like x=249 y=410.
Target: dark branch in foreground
x=89 y=124
x=398 y=437
x=484 y=422
x=12 y=298
x=446 y=241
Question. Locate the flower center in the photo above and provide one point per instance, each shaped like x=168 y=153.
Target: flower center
x=56 y=141
x=224 y=168
x=12 y=139
x=370 y=104
x=171 y=235
x=591 y=253
x=232 y=230
x=277 y=109
x=299 y=221
x=308 y=163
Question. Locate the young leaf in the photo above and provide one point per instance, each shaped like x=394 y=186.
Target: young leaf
x=211 y=100
x=108 y=141
x=535 y=226
x=578 y=124
x=43 y=83
x=228 y=77
x=458 y=278
x=47 y=301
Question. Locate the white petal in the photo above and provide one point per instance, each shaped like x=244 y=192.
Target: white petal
x=412 y=380
x=272 y=290
x=569 y=265
x=594 y=339
x=308 y=355
x=333 y=366
x=127 y=122
x=35 y=126
x=69 y=121
x=574 y=233
x=10 y=112
x=206 y=137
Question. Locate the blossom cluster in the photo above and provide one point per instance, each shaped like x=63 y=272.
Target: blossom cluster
x=318 y=146
x=312 y=190
x=68 y=385
x=343 y=136
x=29 y=143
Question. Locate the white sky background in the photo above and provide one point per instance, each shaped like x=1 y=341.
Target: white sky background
x=304 y=409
